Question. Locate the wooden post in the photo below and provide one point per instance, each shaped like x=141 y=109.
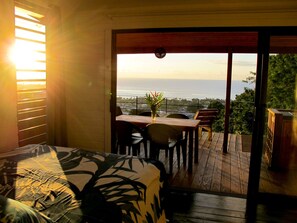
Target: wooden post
x=227 y=106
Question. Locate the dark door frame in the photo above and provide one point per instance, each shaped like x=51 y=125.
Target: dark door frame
x=264 y=34
x=253 y=194
x=258 y=125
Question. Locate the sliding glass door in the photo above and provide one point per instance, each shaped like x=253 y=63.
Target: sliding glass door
x=279 y=160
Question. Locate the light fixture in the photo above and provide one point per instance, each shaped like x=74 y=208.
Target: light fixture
x=160 y=52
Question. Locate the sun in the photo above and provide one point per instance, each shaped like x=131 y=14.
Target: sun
x=27 y=60
x=22 y=56
x=28 y=53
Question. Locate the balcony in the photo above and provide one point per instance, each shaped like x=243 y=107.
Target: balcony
x=218 y=172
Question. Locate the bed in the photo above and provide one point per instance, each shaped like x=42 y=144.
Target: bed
x=42 y=183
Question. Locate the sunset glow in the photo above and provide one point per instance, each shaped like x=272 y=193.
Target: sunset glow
x=24 y=56
x=29 y=51
x=204 y=66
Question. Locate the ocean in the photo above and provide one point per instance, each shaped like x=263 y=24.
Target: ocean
x=179 y=88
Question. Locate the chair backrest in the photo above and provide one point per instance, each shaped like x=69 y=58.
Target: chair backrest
x=124 y=132
x=181 y=116
x=206 y=116
x=160 y=133
x=177 y=115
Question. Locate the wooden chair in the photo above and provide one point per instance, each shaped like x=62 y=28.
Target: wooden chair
x=206 y=117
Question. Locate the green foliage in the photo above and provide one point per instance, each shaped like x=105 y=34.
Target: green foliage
x=250 y=79
x=280 y=92
x=196 y=104
x=242 y=110
x=218 y=124
x=281 y=81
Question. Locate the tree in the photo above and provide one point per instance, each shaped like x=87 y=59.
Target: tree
x=242 y=108
x=280 y=92
x=218 y=124
x=194 y=105
x=281 y=81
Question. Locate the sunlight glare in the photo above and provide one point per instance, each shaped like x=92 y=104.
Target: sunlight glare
x=22 y=55
x=29 y=51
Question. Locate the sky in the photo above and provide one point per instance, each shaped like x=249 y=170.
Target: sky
x=204 y=66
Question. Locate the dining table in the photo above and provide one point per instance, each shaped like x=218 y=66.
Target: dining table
x=190 y=125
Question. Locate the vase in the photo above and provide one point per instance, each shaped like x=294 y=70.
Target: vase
x=153 y=114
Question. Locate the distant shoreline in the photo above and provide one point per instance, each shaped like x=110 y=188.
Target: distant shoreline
x=180 y=88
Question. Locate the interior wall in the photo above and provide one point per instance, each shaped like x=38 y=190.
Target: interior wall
x=87 y=30
x=8 y=126
x=86 y=84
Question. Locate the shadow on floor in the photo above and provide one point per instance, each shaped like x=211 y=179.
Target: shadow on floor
x=179 y=202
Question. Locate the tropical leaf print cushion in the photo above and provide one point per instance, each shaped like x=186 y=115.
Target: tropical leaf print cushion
x=12 y=211
x=75 y=185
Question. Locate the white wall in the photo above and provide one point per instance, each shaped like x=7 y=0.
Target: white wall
x=87 y=94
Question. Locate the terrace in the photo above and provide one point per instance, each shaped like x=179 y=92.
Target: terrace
x=218 y=172
x=226 y=173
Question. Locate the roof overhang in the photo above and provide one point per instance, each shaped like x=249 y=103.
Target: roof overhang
x=200 y=42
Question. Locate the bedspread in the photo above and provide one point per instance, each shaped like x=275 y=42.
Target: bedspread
x=62 y=184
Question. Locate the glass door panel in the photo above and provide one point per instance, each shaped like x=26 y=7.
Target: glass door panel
x=279 y=160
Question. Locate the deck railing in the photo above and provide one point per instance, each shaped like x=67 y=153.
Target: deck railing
x=135 y=105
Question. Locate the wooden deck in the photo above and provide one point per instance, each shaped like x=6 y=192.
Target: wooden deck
x=210 y=208
x=227 y=174
x=215 y=171
x=216 y=189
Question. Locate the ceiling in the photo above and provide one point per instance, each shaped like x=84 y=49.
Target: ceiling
x=187 y=42
x=166 y=6
x=200 y=42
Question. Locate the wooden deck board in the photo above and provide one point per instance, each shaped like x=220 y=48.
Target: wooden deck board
x=198 y=179
x=204 y=207
x=217 y=173
x=228 y=173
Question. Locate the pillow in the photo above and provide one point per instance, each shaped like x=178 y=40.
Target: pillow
x=15 y=211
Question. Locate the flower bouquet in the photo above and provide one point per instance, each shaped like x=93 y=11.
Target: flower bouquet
x=154 y=99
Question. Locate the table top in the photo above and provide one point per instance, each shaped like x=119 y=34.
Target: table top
x=144 y=120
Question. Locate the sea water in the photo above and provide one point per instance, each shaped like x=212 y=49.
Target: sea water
x=179 y=88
